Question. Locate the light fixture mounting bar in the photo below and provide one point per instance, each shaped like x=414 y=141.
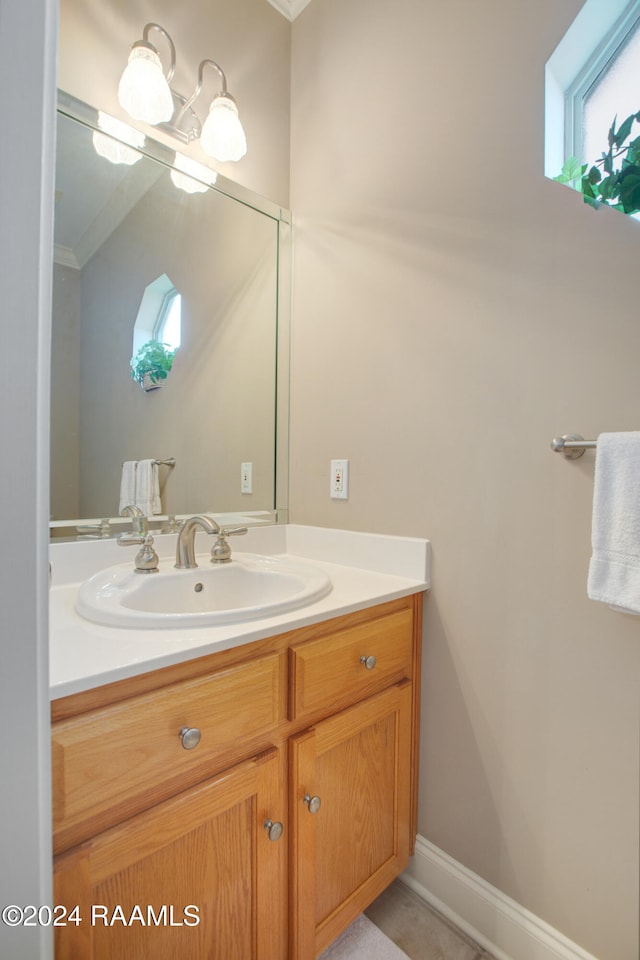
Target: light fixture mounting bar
x=148 y=27
x=198 y=88
x=185 y=124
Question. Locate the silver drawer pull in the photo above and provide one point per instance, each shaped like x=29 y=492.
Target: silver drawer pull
x=190 y=737
x=274 y=829
x=313 y=803
x=369 y=662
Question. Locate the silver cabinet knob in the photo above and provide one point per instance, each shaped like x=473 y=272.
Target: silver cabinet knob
x=190 y=737
x=274 y=830
x=369 y=662
x=313 y=803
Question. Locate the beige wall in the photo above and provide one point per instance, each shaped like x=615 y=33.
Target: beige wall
x=65 y=393
x=453 y=311
x=250 y=40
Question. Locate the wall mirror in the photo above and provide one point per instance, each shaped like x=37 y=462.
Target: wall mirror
x=219 y=426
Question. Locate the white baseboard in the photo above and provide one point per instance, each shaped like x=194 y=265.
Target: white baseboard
x=496 y=922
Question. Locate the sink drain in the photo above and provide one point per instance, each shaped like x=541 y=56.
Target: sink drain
x=199 y=587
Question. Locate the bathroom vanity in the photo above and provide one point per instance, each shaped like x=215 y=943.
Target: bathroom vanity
x=248 y=795
x=238 y=789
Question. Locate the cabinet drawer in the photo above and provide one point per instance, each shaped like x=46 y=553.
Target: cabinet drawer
x=113 y=762
x=332 y=671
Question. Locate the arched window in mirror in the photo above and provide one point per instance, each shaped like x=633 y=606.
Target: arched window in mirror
x=168 y=324
x=159 y=315
x=156 y=333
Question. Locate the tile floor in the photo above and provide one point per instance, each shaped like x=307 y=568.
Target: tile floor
x=418 y=929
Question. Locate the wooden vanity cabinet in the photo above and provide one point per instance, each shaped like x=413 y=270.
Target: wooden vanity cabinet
x=295 y=809
x=350 y=811
x=194 y=876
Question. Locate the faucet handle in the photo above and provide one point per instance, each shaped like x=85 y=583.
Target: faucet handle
x=102 y=529
x=147 y=559
x=221 y=551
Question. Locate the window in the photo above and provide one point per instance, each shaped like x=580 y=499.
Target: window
x=160 y=315
x=614 y=92
x=167 y=327
x=592 y=76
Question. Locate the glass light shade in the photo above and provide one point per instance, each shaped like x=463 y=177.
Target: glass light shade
x=222 y=135
x=117 y=150
x=143 y=91
x=191 y=176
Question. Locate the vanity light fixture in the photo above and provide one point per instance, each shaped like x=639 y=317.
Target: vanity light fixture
x=118 y=141
x=145 y=93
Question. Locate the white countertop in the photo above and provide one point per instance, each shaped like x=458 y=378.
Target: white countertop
x=364 y=568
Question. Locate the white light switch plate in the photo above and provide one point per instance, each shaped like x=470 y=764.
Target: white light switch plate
x=246 y=478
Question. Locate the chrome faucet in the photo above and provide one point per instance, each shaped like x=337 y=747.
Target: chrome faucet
x=146 y=558
x=138 y=520
x=185 y=547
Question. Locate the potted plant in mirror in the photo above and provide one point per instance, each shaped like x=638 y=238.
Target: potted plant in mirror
x=151 y=364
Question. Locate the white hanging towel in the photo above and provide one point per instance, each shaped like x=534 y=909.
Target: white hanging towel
x=128 y=485
x=614 y=570
x=148 y=488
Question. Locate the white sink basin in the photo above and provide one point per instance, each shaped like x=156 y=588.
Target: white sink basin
x=248 y=588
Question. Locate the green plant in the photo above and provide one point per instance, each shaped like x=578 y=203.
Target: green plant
x=154 y=359
x=605 y=182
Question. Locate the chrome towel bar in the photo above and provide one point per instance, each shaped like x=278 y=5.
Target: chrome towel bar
x=169 y=462
x=572 y=445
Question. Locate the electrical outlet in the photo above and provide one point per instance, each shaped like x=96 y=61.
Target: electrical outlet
x=246 y=478
x=339 y=479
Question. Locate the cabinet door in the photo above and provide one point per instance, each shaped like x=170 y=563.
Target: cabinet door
x=197 y=876
x=353 y=770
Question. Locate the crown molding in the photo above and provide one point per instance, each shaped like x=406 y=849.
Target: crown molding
x=65 y=256
x=289 y=8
